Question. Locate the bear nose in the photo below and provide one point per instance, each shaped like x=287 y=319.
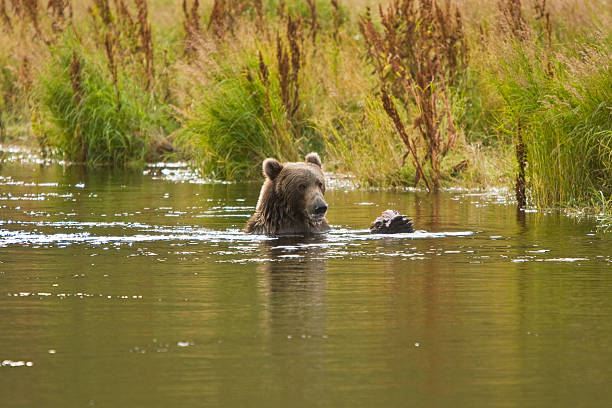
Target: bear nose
x=320 y=208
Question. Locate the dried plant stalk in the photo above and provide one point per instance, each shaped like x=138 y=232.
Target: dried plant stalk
x=146 y=41
x=192 y=26
x=512 y=20
x=25 y=73
x=60 y=12
x=289 y=62
x=421 y=48
x=23 y=9
x=543 y=15
x=75 y=75
x=223 y=16
x=259 y=15
x=60 y=8
x=216 y=22
x=281 y=9
x=4 y=15
x=76 y=80
x=521 y=158
x=313 y=22
x=125 y=19
x=264 y=76
x=336 y=18
x=112 y=66
x=104 y=11
x=390 y=109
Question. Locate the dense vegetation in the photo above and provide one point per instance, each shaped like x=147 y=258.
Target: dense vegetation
x=414 y=92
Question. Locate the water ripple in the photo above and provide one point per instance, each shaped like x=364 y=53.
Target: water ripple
x=148 y=233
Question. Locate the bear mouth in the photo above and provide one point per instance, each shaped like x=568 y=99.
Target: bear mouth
x=316 y=218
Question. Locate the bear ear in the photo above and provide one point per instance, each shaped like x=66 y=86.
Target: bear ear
x=314 y=159
x=271 y=168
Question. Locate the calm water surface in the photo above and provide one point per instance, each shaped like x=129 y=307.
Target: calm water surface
x=138 y=289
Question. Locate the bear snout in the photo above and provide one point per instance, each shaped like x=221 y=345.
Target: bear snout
x=320 y=208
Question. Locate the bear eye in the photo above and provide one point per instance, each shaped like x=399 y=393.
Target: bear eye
x=302 y=186
x=320 y=185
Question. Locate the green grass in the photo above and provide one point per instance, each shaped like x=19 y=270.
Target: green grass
x=237 y=120
x=95 y=124
x=367 y=148
x=230 y=131
x=566 y=121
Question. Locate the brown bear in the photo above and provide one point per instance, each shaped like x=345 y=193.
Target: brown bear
x=291 y=199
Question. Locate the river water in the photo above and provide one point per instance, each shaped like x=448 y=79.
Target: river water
x=138 y=289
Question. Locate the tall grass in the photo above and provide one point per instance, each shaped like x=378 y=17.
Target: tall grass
x=92 y=115
x=250 y=99
x=372 y=152
x=23 y=41
x=566 y=120
x=93 y=93
x=233 y=124
x=556 y=84
x=436 y=92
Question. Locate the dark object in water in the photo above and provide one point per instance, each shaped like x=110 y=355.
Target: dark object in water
x=391 y=222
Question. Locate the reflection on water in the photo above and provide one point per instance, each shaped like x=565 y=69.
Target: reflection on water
x=139 y=289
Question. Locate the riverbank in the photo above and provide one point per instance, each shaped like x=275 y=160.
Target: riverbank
x=381 y=95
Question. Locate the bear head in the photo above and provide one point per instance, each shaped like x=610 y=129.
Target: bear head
x=291 y=199
x=300 y=186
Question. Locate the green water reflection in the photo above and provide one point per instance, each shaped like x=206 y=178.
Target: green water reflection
x=153 y=297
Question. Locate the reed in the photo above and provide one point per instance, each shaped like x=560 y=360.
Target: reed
x=259 y=15
x=125 y=30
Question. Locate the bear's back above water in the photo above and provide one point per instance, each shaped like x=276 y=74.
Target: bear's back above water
x=291 y=199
